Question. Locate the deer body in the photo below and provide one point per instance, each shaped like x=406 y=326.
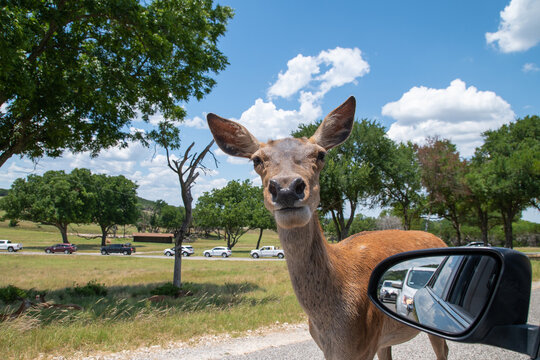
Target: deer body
x=330 y=281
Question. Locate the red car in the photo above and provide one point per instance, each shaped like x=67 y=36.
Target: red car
x=65 y=248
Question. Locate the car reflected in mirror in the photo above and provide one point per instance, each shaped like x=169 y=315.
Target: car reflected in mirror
x=467 y=294
x=445 y=293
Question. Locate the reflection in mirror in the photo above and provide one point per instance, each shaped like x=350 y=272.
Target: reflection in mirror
x=446 y=293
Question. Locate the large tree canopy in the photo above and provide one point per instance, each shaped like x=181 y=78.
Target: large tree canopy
x=443 y=176
x=230 y=208
x=508 y=166
x=56 y=198
x=74 y=74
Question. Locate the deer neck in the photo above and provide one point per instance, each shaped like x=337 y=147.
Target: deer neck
x=310 y=264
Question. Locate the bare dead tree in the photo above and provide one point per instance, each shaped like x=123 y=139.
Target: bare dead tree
x=188 y=169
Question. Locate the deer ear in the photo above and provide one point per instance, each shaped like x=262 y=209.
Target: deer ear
x=231 y=137
x=336 y=126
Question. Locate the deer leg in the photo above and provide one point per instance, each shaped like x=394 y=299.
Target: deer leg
x=439 y=347
x=385 y=353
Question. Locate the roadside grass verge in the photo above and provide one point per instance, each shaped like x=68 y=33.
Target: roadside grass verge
x=226 y=297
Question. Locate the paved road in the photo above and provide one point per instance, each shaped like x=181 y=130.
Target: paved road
x=153 y=255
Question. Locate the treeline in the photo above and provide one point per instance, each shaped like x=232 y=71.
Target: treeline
x=80 y=197
x=433 y=181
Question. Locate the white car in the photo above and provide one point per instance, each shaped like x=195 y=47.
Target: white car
x=416 y=278
x=389 y=291
x=218 y=251
x=187 y=250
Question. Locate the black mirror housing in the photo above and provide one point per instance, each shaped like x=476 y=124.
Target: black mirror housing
x=503 y=320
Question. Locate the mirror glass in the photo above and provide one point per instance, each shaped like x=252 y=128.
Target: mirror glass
x=445 y=293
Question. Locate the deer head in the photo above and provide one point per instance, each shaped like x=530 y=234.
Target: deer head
x=289 y=168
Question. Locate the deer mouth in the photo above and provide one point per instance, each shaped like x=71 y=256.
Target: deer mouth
x=290 y=217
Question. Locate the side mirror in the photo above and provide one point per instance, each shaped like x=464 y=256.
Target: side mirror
x=468 y=294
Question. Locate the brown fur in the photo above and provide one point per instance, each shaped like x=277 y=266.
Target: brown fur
x=330 y=281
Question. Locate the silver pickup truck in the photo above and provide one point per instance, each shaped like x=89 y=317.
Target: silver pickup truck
x=267 y=251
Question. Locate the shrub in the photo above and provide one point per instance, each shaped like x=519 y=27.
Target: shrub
x=10 y=294
x=166 y=289
x=92 y=288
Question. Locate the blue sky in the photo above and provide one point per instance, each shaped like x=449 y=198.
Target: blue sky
x=421 y=68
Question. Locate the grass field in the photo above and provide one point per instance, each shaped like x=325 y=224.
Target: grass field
x=227 y=297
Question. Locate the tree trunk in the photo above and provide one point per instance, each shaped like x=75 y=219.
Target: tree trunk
x=508 y=235
x=484 y=225
x=63 y=232
x=177 y=271
x=406 y=220
x=103 y=235
x=260 y=237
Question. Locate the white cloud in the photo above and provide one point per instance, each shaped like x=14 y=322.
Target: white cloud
x=519 y=29
x=266 y=121
x=530 y=67
x=300 y=70
x=197 y=122
x=459 y=113
x=343 y=66
x=346 y=65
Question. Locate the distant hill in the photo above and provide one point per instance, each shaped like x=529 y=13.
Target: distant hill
x=3 y=192
x=145 y=204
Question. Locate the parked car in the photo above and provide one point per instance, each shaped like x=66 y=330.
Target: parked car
x=125 y=249
x=65 y=248
x=218 y=251
x=477 y=243
x=9 y=246
x=187 y=250
x=389 y=291
x=267 y=251
x=416 y=278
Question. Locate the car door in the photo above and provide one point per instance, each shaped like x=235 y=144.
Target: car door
x=265 y=251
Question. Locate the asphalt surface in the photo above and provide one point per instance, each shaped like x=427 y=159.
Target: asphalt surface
x=153 y=255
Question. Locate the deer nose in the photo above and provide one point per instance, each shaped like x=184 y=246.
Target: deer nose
x=287 y=196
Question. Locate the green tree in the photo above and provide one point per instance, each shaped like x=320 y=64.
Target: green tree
x=402 y=183
x=231 y=208
x=74 y=74
x=363 y=223
x=205 y=214
x=443 y=176
x=509 y=164
x=56 y=198
x=261 y=218
x=172 y=218
x=480 y=201
x=115 y=202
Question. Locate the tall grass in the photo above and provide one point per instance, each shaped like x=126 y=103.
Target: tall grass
x=227 y=297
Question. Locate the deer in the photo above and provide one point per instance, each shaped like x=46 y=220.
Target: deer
x=329 y=280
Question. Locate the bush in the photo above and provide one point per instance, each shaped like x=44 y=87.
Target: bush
x=10 y=294
x=167 y=289
x=92 y=288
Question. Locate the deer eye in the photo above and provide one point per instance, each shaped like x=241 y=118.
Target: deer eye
x=321 y=155
x=256 y=161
